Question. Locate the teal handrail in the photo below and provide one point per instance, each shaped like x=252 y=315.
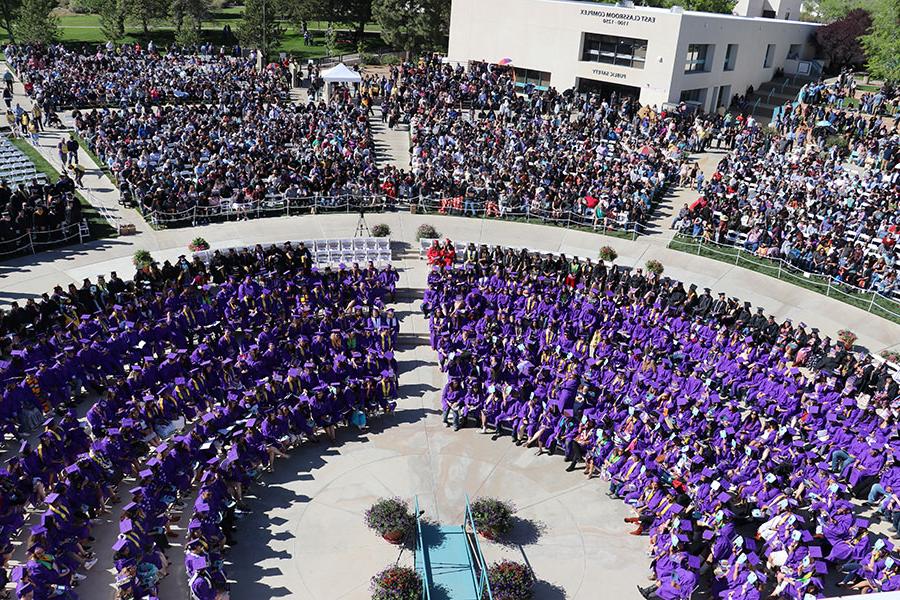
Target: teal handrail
x=420 y=547
x=484 y=583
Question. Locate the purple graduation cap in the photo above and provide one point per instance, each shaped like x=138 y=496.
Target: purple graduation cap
x=120 y=544
x=51 y=498
x=126 y=525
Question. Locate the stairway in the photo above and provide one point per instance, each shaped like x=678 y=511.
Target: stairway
x=444 y=556
x=775 y=93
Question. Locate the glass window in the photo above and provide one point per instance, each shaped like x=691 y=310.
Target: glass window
x=695 y=96
x=696 y=60
x=770 y=56
x=793 y=52
x=540 y=79
x=614 y=50
x=731 y=56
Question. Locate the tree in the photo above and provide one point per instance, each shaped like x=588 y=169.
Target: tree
x=188 y=15
x=882 y=44
x=712 y=6
x=8 y=10
x=841 y=41
x=259 y=27
x=412 y=25
x=826 y=11
x=112 y=18
x=144 y=12
x=35 y=24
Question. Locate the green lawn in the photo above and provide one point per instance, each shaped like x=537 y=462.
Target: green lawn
x=880 y=306
x=85 y=29
x=98 y=225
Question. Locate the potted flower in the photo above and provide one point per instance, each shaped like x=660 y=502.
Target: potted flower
x=655 y=267
x=141 y=260
x=426 y=231
x=847 y=338
x=608 y=254
x=891 y=356
x=391 y=518
x=198 y=245
x=381 y=230
x=493 y=517
x=397 y=583
x=510 y=581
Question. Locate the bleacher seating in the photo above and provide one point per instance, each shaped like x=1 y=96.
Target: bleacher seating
x=15 y=167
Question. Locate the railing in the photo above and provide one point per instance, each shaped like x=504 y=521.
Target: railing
x=420 y=547
x=869 y=300
x=483 y=584
x=33 y=241
x=281 y=205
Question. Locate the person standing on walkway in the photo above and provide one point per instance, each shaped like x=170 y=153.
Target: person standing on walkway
x=7 y=97
x=37 y=116
x=72 y=150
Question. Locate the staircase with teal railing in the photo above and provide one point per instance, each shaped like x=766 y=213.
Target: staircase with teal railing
x=449 y=559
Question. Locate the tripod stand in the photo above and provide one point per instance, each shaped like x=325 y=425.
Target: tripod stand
x=362 y=229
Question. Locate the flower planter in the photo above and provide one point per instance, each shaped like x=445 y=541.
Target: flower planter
x=488 y=534
x=394 y=537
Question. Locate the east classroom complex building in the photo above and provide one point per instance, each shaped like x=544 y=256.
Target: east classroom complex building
x=661 y=56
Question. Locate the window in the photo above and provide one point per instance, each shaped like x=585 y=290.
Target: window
x=770 y=56
x=730 y=57
x=768 y=14
x=697 y=60
x=793 y=52
x=696 y=96
x=525 y=77
x=614 y=50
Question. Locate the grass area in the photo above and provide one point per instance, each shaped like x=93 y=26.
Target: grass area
x=863 y=87
x=85 y=29
x=97 y=224
x=877 y=305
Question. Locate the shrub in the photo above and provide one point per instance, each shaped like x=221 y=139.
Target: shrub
x=654 y=266
x=492 y=516
x=389 y=515
x=390 y=59
x=198 y=245
x=397 y=583
x=141 y=259
x=608 y=254
x=847 y=338
x=427 y=231
x=510 y=581
x=381 y=230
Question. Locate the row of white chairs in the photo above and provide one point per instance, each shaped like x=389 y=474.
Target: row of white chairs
x=333 y=251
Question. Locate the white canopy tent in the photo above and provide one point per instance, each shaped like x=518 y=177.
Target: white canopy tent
x=340 y=73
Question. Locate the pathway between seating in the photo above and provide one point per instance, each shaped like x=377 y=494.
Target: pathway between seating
x=391 y=145
x=659 y=227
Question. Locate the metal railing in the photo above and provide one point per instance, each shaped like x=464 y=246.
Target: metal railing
x=481 y=574
x=420 y=547
x=868 y=300
x=275 y=205
x=33 y=241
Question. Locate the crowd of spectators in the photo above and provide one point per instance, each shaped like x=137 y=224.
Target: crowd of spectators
x=820 y=194
x=47 y=211
x=70 y=77
x=176 y=158
x=744 y=446
x=484 y=148
x=204 y=374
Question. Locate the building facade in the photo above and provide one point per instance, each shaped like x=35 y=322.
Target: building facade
x=657 y=55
